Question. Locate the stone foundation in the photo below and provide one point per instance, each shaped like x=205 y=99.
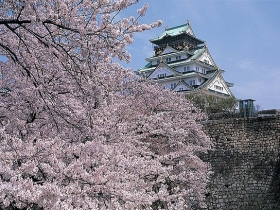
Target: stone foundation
x=245 y=163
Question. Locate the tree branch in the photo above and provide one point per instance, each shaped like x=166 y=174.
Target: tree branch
x=14 y=21
x=60 y=26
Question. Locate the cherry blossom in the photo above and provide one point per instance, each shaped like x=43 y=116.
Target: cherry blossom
x=78 y=130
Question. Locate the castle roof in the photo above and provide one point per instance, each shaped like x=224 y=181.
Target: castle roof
x=194 y=56
x=181 y=30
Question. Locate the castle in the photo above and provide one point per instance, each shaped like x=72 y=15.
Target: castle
x=183 y=63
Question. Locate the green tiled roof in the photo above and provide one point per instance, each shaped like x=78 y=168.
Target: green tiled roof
x=198 y=52
x=148 y=65
x=172 y=31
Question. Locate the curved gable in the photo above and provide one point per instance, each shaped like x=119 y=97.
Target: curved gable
x=168 y=50
x=218 y=84
x=162 y=71
x=190 y=31
x=182 y=86
x=207 y=58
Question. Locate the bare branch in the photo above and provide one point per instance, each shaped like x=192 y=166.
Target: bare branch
x=14 y=21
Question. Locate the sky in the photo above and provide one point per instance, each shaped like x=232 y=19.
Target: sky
x=243 y=37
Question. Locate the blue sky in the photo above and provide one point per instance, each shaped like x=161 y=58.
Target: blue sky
x=243 y=37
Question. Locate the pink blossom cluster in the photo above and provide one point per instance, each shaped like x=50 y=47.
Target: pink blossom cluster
x=79 y=131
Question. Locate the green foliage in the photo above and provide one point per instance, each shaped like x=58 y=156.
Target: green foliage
x=213 y=106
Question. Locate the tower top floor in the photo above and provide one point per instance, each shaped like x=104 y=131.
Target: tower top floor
x=180 y=37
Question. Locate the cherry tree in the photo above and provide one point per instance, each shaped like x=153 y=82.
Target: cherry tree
x=79 y=131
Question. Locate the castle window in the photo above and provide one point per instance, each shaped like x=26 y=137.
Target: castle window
x=185 y=68
x=181 y=89
x=173 y=85
x=178 y=58
x=188 y=68
x=197 y=68
x=162 y=75
x=192 y=82
x=218 y=87
x=168 y=60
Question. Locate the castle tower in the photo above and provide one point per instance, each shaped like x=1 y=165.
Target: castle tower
x=183 y=63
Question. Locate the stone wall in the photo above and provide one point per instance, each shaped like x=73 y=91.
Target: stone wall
x=245 y=163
